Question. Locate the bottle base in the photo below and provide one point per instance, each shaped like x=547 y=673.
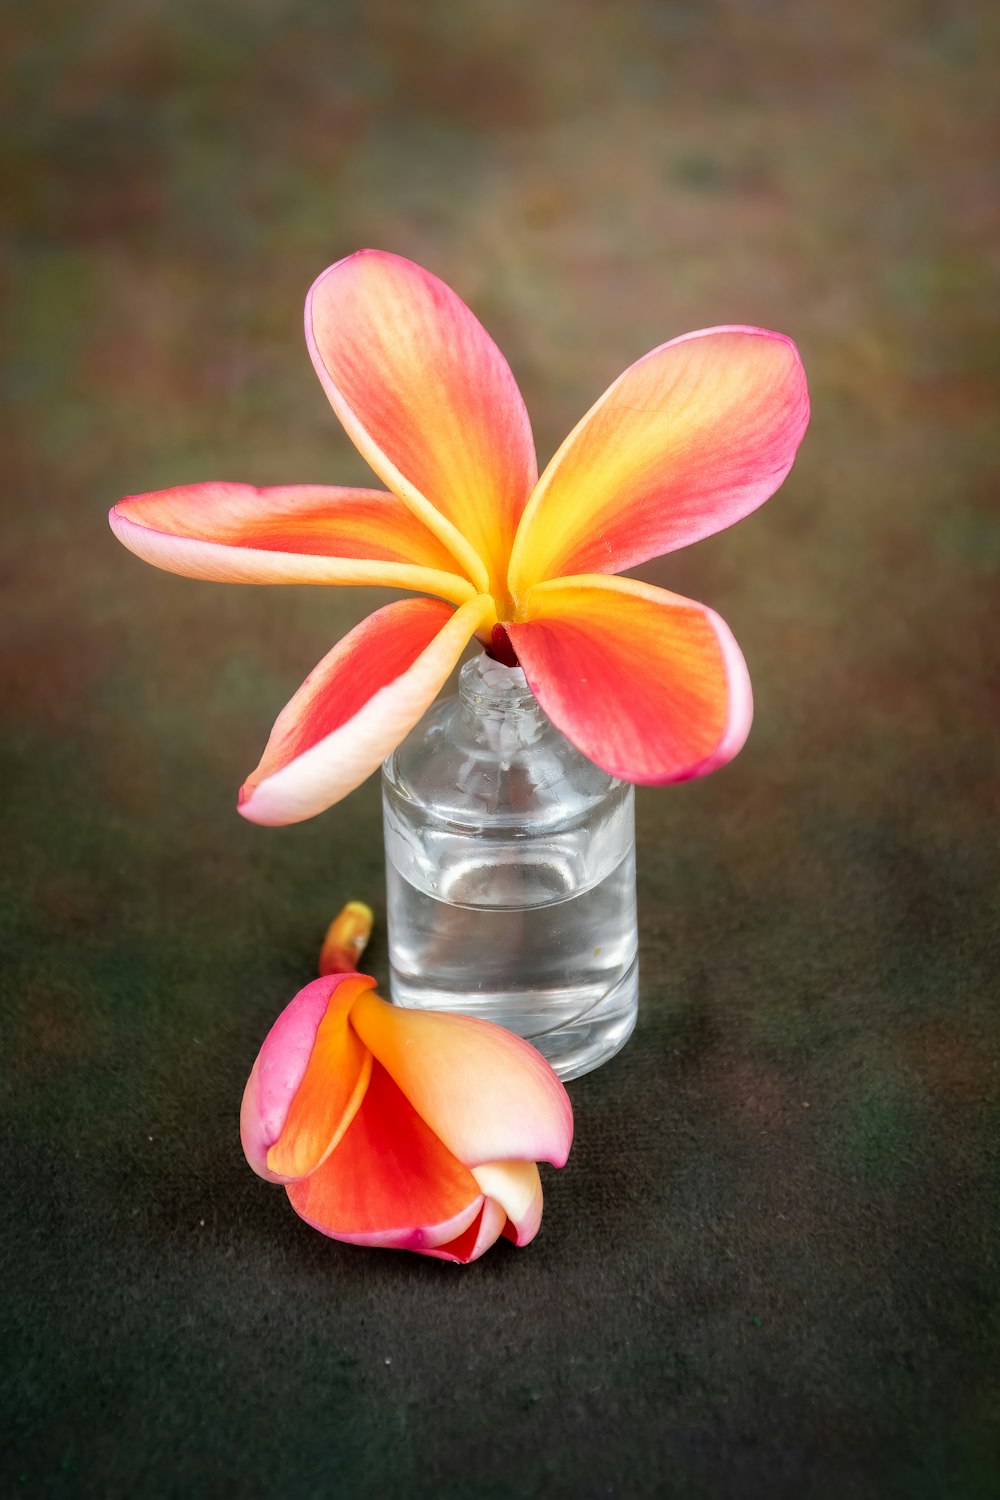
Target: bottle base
x=573 y=1032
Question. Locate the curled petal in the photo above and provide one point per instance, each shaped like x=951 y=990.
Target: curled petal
x=390 y=1181
x=517 y=1188
x=428 y=399
x=286 y=1067
x=359 y=703
x=649 y=685
x=488 y=1095
x=483 y=1232
x=691 y=438
x=295 y=533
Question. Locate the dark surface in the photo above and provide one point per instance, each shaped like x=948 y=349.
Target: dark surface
x=769 y=1268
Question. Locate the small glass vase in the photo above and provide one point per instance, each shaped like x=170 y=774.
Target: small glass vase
x=510 y=873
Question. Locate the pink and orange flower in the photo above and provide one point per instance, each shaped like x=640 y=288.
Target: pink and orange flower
x=406 y=1129
x=650 y=685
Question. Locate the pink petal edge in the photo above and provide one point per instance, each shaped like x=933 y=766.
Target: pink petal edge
x=280 y=1067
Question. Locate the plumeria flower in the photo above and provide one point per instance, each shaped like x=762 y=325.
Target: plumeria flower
x=650 y=685
x=407 y=1129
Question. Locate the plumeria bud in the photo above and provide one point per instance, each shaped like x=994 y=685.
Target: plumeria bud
x=407 y=1129
x=346 y=939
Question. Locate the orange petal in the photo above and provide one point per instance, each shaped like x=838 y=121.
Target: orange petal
x=346 y=939
x=295 y=1105
x=429 y=400
x=488 y=1095
x=295 y=533
x=691 y=438
x=357 y=705
x=649 y=685
x=390 y=1181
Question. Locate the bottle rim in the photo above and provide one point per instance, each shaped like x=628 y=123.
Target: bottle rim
x=487 y=685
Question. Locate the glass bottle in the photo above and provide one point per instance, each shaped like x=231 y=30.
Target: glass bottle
x=510 y=873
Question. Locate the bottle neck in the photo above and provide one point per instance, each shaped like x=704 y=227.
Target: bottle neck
x=489 y=689
x=497 y=707
x=489 y=757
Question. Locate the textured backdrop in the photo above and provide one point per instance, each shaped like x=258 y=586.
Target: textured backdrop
x=770 y=1267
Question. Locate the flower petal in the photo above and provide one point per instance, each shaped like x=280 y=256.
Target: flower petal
x=390 y=1181
x=477 y=1239
x=296 y=533
x=488 y=1095
x=651 y=686
x=284 y=1065
x=517 y=1188
x=357 y=705
x=691 y=438
x=428 y=399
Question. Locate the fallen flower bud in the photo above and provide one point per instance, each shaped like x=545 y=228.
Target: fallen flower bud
x=412 y=1130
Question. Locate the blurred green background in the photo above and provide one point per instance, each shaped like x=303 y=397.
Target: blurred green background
x=770 y=1266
